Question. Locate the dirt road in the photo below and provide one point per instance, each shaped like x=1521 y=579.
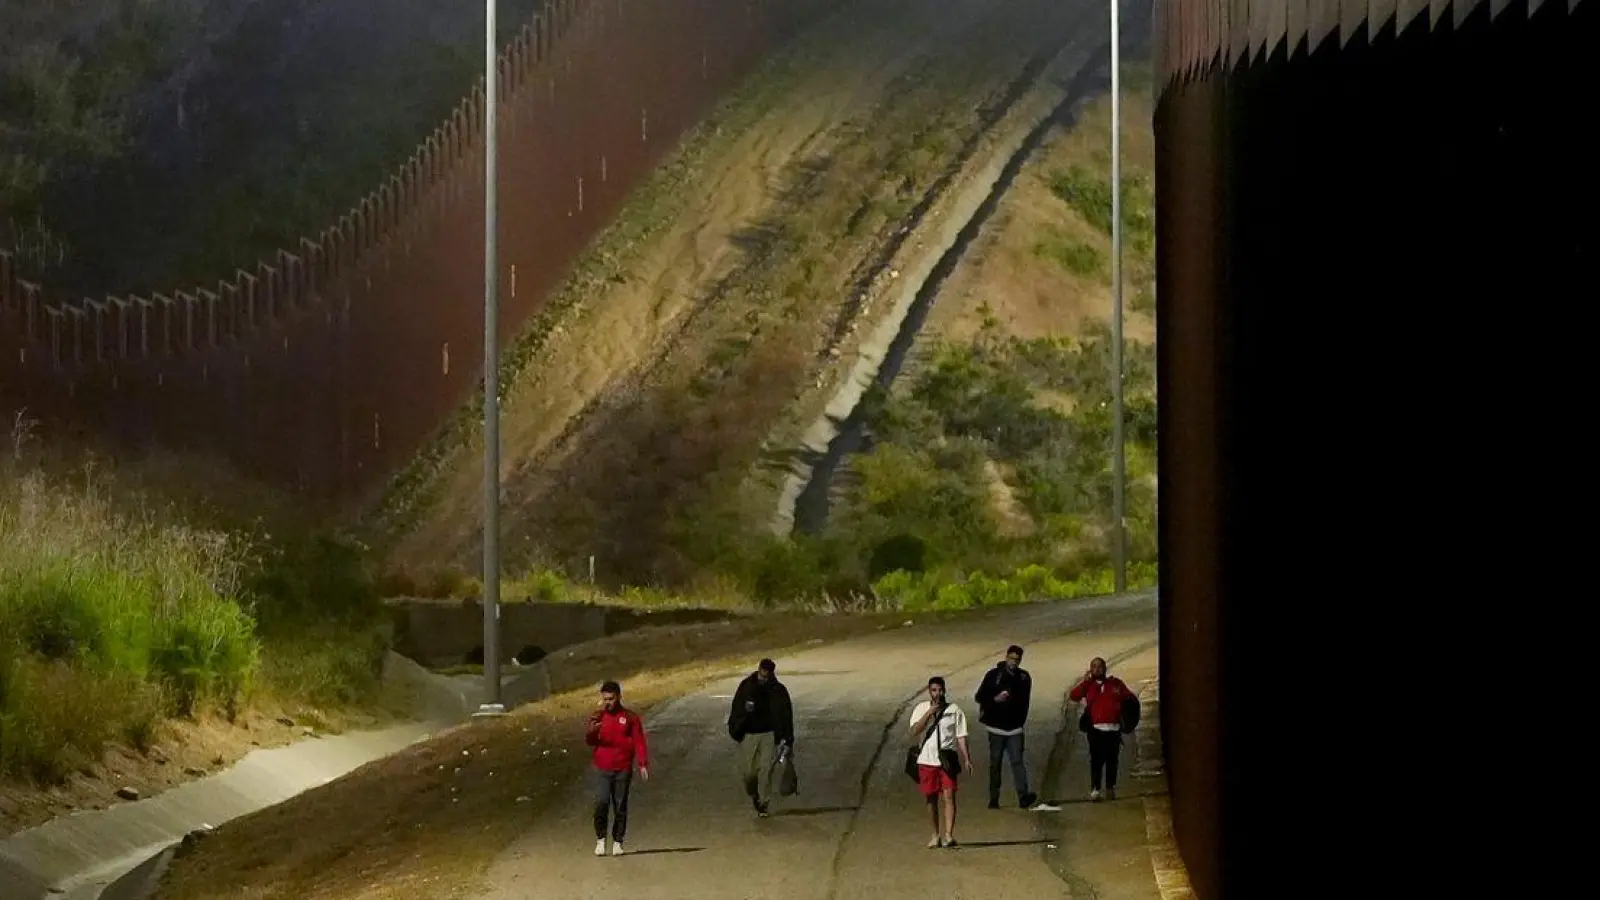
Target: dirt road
x=857 y=829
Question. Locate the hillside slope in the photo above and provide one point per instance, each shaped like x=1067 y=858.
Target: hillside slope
x=631 y=437
x=988 y=471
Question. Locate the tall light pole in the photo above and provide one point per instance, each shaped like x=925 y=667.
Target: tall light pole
x=491 y=371
x=1118 y=512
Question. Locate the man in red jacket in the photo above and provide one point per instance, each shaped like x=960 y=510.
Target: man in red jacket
x=617 y=735
x=1103 y=695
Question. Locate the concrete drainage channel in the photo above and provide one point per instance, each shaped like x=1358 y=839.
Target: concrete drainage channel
x=1064 y=85
x=122 y=852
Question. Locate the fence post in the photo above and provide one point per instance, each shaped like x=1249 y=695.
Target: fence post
x=94 y=309
x=122 y=309
x=144 y=306
x=168 y=311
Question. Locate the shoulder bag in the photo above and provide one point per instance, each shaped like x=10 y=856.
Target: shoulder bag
x=915 y=750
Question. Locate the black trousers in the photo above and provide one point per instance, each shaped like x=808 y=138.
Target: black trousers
x=611 y=802
x=1104 y=748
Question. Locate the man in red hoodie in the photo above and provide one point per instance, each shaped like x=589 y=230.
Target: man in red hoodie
x=617 y=735
x=1103 y=696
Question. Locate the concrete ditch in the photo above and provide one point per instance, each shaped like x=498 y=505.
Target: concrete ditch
x=1069 y=80
x=120 y=853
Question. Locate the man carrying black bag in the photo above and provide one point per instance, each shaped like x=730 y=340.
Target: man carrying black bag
x=939 y=754
x=788 y=779
x=761 y=720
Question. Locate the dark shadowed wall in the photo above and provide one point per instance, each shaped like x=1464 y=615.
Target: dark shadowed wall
x=1376 y=230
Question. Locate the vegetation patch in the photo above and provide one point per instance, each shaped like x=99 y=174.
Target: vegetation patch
x=917 y=528
x=119 y=614
x=1077 y=257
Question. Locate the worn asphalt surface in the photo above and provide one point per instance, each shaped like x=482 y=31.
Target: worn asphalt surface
x=858 y=828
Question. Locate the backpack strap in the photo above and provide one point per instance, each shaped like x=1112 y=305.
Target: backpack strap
x=933 y=728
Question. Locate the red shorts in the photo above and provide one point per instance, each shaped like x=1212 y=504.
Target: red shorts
x=935 y=781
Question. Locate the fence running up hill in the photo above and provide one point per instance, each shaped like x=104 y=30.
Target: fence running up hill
x=326 y=366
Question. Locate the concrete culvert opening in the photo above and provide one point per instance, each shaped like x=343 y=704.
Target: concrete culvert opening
x=529 y=655
x=475 y=656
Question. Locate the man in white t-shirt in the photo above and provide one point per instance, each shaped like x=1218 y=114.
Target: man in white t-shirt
x=939 y=729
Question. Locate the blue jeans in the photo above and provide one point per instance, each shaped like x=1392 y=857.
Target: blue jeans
x=1001 y=746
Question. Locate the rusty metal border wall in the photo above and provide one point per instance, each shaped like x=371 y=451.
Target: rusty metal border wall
x=324 y=366
x=1348 y=195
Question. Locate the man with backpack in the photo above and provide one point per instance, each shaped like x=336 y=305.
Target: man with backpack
x=1104 y=697
x=1002 y=700
x=761 y=720
x=617 y=735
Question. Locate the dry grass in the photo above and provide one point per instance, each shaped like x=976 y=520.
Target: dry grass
x=425 y=823
x=1011 y=516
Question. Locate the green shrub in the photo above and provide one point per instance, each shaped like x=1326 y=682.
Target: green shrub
x=327 y=667
x=786 y=571
x=982 y=590
x=900 y=553
x=906 y=590
x=546 y=586
x=113 y=619
x=55 y=716
x=1089 y=193
x=315 y=577
x=106 y=623
x=206 y=654
x=1085 y=191
x=1075 y=256
x=921 y=592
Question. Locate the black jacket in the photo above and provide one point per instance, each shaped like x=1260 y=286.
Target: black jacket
x=1013 y=713
x=758 y=709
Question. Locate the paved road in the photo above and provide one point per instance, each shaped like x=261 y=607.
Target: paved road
x=857 y=829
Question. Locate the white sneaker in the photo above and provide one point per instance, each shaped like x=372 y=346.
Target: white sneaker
x=600 y=847
x=935 y=842
x=616 y=849
x=1094 y=796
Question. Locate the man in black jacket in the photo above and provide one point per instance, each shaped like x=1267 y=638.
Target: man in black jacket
x=1002 y=700
x=762 y=721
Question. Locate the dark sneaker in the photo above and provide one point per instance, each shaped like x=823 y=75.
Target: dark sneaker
x=761 y=809
x=994 y=802
x=1028 y=800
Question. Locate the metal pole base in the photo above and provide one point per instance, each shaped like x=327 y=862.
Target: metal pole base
x=489 y=710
